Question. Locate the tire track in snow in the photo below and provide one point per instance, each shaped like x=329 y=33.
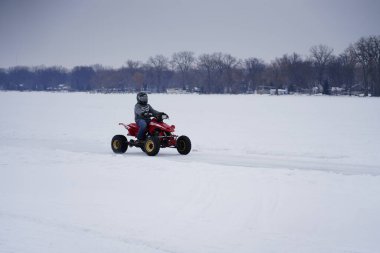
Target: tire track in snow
x=84 y=231
x=313 y=163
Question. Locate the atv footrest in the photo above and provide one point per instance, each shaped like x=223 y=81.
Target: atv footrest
x=135 y=143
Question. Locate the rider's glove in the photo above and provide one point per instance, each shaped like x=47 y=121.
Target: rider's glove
x=145 y=114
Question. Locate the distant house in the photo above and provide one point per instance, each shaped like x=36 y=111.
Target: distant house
x=147 y=91
x=317 y=89
x=196 y=90
x=337 y=91
x=176 y=91
x=63 y=87
x=356 y=90
x=21 y=86
x=278 y=92
x=250 y=91
x=262 y=89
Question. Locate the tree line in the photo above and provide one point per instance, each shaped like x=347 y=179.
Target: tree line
x=356 y=70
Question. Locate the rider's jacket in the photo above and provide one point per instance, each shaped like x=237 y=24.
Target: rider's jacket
x=141 y=109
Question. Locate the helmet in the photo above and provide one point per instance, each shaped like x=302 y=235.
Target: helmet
x=142 y=98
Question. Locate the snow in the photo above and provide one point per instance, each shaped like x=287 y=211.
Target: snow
x=266 y=174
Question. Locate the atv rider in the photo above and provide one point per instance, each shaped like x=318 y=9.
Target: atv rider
x=143 y=111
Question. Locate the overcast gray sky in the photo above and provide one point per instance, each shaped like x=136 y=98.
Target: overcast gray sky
x=109 y=32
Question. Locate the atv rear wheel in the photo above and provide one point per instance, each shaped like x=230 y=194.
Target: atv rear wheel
x=119 y=144
x=183 y=145
x=152 y=146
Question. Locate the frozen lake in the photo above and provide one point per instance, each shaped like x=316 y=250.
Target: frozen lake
x=266 y=174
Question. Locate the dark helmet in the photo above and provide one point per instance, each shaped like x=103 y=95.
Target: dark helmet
x=142 y=98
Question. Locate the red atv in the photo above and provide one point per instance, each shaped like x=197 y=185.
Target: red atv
x=158 y=135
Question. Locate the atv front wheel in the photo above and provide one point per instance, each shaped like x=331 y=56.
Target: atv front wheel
x=119 y=144
x=152 y=146
x=183 y=145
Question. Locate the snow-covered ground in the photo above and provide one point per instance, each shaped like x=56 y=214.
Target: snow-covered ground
x=266 y=174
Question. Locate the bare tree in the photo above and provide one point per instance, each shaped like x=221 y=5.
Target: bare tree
x=207 y=64
x=159 y=64
x=367 y=52
x=50 y=78
x=82 y=78
x=138 y=79
x=376 y=44
x=229 y=66
x=133 y=64
x=219 y=71
x=348 y=64
x=373 y=50
x=183 y=62
x=131 y=71
x=255 y=69
x=278 y=73
x=363 y=55
x=3 y=79
x=291 y=72
x=321 y=56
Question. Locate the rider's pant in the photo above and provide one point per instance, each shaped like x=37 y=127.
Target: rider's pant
x=142 y=127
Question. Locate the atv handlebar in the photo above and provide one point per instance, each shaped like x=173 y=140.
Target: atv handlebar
x=161 y=116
